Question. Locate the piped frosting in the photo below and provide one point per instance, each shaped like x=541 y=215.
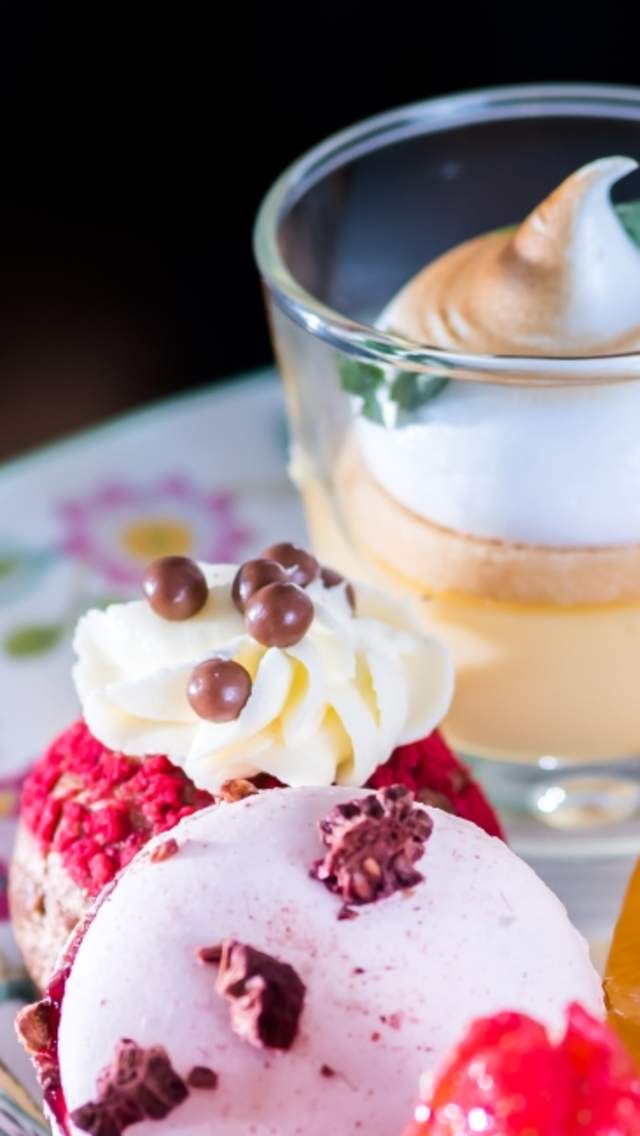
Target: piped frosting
x=330 y=707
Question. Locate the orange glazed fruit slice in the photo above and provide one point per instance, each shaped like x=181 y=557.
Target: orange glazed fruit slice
x=622 y=972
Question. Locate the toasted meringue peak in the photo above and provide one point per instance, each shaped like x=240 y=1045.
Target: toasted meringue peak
x=564 y=282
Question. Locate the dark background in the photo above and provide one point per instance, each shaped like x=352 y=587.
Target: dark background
x=135 y=148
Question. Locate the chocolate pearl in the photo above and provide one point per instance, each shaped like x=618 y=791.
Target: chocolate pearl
x=330 y=578
x=175 y=587
x=218 y=690
x=279 y=615
x=253 y=575
x=301 y=566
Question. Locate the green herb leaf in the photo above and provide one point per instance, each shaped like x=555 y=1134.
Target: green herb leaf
x=33 y=639
x=411 y=390
x=372 y=409
x=359 y=378
x=629 y=214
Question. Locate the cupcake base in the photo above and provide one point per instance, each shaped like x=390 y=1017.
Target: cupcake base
x=46 y=905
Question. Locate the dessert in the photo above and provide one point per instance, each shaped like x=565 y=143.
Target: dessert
x=88 y=808
x=510 y=510
x=302 y=953
x=509 y=1077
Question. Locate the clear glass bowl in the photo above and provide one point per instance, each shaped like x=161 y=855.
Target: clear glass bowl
x=546 y=639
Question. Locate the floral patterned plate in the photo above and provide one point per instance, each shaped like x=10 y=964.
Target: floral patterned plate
x=205 y=475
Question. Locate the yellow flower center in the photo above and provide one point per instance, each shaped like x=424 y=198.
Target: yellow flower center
x=7 y=802
x=146 y=540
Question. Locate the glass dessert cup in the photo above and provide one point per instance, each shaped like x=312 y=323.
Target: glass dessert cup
x=545 y=633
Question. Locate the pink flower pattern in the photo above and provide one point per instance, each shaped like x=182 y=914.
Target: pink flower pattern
x=95 y=524
x=4 y=900
x=10 y=789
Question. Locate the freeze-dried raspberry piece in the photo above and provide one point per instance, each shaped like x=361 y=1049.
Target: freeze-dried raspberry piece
x=372 y=845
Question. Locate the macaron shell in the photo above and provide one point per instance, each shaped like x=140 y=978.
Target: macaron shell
x=388 y=992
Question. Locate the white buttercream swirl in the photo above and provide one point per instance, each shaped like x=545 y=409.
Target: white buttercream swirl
x=331 y=708
x=566 y=281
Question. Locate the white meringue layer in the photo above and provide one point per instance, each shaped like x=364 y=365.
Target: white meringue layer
x=559 y=468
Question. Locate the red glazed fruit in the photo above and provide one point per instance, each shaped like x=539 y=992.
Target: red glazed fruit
x=508 y=1078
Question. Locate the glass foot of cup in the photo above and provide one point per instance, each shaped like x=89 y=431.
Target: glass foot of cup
x=585 y=802
x=577 y=825
x=562 y=810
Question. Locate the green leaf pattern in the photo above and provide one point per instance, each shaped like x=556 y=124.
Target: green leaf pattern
x=33 y=639
x=21 y=569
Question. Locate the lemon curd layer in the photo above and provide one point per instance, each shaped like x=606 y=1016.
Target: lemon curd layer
x=532 y=679
x=537 y=680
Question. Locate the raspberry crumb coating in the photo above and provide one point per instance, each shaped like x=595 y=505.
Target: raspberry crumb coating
x=97 y=808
